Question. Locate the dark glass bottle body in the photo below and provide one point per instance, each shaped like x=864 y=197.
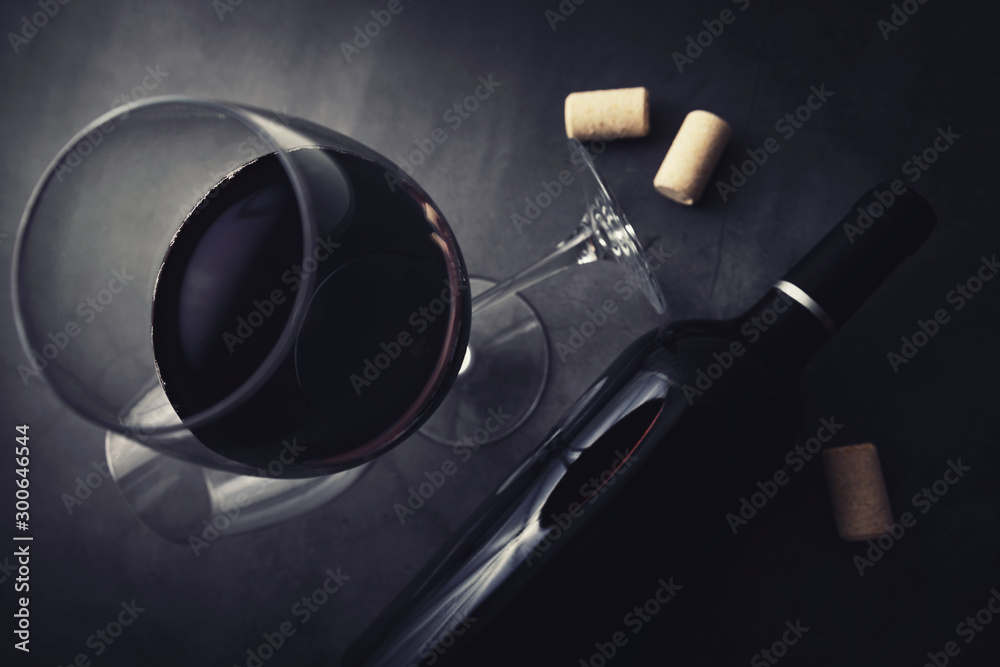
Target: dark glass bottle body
x=631 y=488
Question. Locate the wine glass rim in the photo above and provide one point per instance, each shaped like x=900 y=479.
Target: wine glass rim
x=243 y=114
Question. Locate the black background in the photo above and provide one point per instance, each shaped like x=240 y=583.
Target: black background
x=890 y=96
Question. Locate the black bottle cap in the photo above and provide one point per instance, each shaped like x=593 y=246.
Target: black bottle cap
x=851 y=261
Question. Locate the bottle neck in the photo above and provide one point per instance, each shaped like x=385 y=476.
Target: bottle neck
x=823 y=290
x=886 y=225
x=785 y=326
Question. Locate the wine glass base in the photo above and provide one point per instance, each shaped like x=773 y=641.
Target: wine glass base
x=612 y=233
x=187 y=503
x=502 y=377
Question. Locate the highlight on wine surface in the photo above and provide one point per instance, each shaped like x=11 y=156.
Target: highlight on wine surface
x=234 y=288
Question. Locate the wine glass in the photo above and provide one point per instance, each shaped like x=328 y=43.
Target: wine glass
x=507 y=356
x=246 y=300
x=222 y=285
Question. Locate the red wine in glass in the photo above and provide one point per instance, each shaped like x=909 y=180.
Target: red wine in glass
x=383 y=331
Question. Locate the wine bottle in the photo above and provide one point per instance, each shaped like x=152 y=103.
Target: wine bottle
x=629 y=489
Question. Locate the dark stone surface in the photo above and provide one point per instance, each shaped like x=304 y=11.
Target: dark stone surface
x=890 y=97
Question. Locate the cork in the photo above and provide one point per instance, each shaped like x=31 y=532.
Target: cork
x=692 y=157
x=607 y=114
x=857 y=491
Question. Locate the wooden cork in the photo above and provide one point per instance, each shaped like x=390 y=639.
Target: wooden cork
x=607 y=114
x=857 y=491
x=692 y=157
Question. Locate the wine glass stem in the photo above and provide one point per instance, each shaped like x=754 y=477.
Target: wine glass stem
x=573 y=251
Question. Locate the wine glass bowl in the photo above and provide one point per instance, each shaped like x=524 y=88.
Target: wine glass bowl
x=215 y=281
x=244 y=300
